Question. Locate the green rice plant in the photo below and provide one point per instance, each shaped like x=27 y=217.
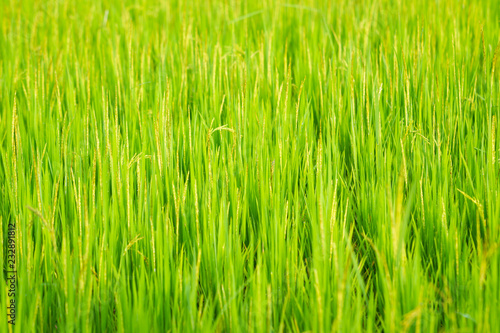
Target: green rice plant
x=274 y=166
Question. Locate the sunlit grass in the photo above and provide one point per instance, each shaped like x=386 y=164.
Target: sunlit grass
x=251 y=166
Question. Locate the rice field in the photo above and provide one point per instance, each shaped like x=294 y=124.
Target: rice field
x=250 y=166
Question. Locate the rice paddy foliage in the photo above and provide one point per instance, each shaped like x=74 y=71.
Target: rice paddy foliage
x=266 y=166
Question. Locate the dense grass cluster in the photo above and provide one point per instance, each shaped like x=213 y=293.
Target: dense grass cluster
x=251 y=166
